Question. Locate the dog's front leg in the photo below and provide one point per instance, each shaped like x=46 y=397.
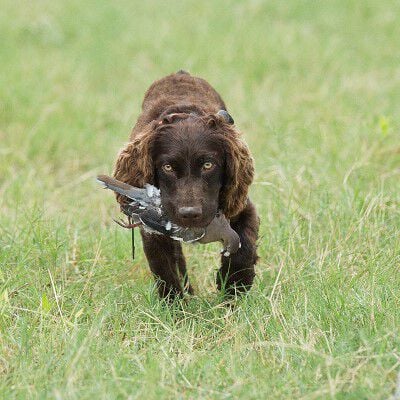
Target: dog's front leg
x=164 y=256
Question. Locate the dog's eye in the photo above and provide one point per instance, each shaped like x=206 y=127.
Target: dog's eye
x=208 y=165
x=167 y=168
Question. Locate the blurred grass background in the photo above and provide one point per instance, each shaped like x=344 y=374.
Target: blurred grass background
x=314 y=87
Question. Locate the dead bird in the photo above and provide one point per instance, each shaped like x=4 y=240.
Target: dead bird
x=145 y=209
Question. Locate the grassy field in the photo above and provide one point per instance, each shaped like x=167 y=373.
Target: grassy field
x=315 y=88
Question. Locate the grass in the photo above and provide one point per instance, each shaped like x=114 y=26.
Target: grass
x=314 y=86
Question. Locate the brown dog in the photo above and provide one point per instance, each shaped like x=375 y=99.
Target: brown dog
x=185 y=143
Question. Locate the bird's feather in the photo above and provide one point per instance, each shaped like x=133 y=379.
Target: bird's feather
x=133 y=193
x=145 y=208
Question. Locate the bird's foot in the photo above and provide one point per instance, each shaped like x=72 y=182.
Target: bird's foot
x=126 y=225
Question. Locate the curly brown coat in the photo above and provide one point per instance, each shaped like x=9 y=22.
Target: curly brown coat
x=183 y=102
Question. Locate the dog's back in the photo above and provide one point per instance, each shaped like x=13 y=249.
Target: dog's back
x=186 y=144
x=179 y=92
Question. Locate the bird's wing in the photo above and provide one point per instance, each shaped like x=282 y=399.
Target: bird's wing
x=157 y=222
x=154 y=220
x=187 y=235
x=145 y=208
x=139 y=195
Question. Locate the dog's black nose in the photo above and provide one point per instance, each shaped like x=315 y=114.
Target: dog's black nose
x=190 y=212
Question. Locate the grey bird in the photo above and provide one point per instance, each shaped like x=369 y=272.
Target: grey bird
x=145 y=209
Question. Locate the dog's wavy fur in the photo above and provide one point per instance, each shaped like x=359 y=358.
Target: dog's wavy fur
x=135 y=166
x=174 y=98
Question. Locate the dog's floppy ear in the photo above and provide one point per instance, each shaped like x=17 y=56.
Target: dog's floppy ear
x=239 y=172
x=134 y=163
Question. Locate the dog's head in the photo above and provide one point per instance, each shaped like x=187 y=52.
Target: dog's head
x=199 y=163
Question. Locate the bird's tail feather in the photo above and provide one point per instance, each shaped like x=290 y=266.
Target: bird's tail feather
x=121 y=187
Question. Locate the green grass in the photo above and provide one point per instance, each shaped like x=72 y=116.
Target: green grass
x=314 y=86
